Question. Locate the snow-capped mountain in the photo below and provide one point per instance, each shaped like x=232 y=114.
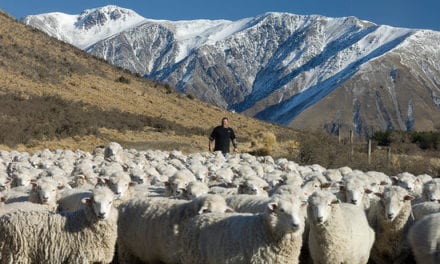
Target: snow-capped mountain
x=301 y=71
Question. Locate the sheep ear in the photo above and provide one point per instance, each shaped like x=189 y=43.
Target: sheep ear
x=325 y=185
x=131 y=184
x=383 y=183
x=336 y=201
x=2 y=199
x=60 y=187
x=272 y=206
x=380 y=195
x=408 y=197
x=368 y=191
x=229 y=210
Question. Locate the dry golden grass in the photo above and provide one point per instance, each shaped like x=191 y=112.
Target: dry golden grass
x=35 y=68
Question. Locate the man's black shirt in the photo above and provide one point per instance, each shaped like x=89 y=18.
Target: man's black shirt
x=222 y=136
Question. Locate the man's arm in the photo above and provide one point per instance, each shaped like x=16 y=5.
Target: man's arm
x=210 y=144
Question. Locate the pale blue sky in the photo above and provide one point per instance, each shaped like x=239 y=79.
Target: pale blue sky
x=424 y=14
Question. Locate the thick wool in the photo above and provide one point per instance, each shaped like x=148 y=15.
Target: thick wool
x=345 y=237
x=391 y=244
x=36 y=236
x=238 y=238
x=149 y=228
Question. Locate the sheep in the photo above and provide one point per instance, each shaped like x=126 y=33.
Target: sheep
x=119 y=182
x=178 y=183
x=45 y=191
x=253 y=185
x=149 y=228
x=424 y=238
x=391 y=218
x=84 y=236
x=114 y=152
x=339 y=232
x=274 y=236
x=247 y=203
x=431 y=191
x=409 y=182
x=5 y=181
x=421 y=209
x=71 y=200
x=355 y=191
x=195 y=189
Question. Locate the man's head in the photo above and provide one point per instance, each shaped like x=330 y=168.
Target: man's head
x=225 y=122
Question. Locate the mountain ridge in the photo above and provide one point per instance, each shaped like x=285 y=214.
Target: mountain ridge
x=273 y=66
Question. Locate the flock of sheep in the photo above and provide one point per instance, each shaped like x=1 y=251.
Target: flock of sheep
x=128 y=206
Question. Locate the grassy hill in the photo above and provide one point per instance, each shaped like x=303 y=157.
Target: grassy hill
x=53 y=95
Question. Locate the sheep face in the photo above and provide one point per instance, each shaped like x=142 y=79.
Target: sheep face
x=432 y=191
x=286 y=215
x=393 y=199
x=354 y=191
x=320 y=206
x=47 y=192
x=119 y=186
x=4 y=183
x=102 y=202
x=213 y=204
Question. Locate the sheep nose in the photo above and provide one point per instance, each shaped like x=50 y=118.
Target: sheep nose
x=101 y=215
x=320 y=219
x=295 y=225
x=353 y=201
x=390 y=216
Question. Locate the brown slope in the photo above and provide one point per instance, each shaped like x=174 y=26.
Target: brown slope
x=377 y=100
x=54 y=95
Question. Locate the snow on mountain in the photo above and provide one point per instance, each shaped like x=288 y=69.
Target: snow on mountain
x=277 y=66
x=88 y=27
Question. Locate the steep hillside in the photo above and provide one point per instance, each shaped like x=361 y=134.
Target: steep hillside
x=55 y=95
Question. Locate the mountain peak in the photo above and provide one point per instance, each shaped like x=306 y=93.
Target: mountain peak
x=101 y=16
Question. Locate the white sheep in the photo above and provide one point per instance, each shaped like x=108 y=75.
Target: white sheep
x=424 y=239
x=178 y=182
x=339 y=232
x=422 y=209
x=5 y=181
x=84 y=236
x=274 y=236
x=195 y=189
x=391 y=218
x=355 y=191
x=45 y=191
x=409 y=182
x=149 y=229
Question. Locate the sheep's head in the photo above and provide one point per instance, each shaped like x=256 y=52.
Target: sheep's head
x=432 y=191
x=47 y=191
x=320 y=206
x=287 y=213
x=212 y=203
x=101 y=202
x=393 y=199
x=119 y=182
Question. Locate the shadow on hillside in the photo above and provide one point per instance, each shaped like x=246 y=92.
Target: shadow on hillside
x=24 y=118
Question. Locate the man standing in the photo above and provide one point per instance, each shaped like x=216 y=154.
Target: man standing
x=222 y=135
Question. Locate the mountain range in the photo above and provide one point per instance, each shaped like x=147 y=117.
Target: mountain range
x=307 y=72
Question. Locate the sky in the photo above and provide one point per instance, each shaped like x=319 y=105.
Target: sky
x=419 y=14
